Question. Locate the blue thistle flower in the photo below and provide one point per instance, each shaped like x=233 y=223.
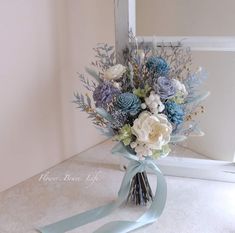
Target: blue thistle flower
x=158 y=66
x=104 y=93
x=174 y=112
x=129 y=103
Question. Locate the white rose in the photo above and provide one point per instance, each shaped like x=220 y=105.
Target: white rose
x=114 y=72
x=180 y=87
x=152 y=130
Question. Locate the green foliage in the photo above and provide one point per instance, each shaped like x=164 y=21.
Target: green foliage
x=125 y=135
x=178 y=98
x=93 y=74
x=163 y=152
x=105 y=56
x=84 y=103
x=102 y=112
x=89 y=85
x=142 y=92
x=177 y=138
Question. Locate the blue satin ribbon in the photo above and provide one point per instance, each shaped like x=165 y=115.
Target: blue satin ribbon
x=150 y=216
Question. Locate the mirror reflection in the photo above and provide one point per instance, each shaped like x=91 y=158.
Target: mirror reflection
x=185 y=18
x=201 y=18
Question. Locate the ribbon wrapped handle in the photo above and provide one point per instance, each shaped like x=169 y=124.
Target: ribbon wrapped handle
x=150 y=216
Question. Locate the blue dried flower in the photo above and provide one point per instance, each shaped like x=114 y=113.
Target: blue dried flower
x=174 y=112
x=164 y=87
x=120 y=118
x=157 y=65
x=129 y=103
x=104 y=93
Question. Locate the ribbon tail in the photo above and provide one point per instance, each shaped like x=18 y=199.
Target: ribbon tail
x=120 y=149
x=94 y=214
x=118 y=227
x=150 y=216
x=79 y=219
x=159 y=201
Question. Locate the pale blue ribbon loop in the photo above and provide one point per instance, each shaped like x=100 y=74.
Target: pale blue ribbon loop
x=150 y=216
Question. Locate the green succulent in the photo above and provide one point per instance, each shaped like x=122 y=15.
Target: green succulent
x=125 y=135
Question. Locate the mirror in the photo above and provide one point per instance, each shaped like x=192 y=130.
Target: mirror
x=217 y=121
x=210 y=19
x=185 y=18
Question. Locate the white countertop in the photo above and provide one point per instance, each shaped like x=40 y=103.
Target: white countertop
x=193 y=206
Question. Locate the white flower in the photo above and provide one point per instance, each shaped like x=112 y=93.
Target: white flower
x=154 y=103
x=117 y=85
x=141 y=149
x=114 y=72
x=133 y=145
x=180 y=87
x=152 y=130
x=143 y=106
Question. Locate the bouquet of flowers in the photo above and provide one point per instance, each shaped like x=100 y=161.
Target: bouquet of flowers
x=146 y=103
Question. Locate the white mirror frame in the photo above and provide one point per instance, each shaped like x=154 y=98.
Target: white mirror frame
x=125 y=21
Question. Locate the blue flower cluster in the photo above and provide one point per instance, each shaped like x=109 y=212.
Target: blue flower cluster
x=158 y=66
x=174 y=112
x=129 y=103
x=104 y=93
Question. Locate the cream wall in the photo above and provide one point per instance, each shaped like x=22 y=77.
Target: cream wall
x=30 y=135
x=43 y=44
x=83 y=24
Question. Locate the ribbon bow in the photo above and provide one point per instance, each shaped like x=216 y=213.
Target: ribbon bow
x=150 y=216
